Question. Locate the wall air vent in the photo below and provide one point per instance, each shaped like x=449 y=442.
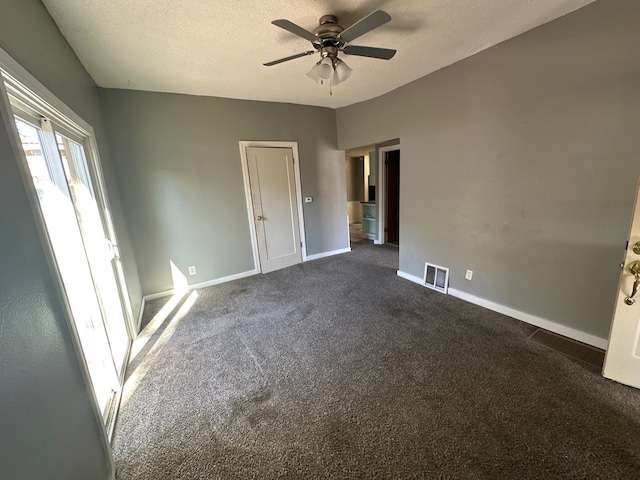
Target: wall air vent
x=436 y=277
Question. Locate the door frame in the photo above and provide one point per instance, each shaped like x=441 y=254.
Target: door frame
x=42 y=96
x=381 y=193
x=244 y=144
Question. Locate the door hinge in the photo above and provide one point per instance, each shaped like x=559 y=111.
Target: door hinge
x=300 y=244
x=626 y=247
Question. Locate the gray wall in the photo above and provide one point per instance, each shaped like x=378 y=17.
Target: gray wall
x=47 y=428
x=355 y=178
x=178 y=164
x=521 y=164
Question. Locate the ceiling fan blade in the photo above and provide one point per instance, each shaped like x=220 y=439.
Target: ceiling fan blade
x=368 y=23
x=295 y=29
x=371 y=52
x=286 y=59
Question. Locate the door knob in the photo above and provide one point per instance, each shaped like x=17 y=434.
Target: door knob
x=259 y=218
x=634 y=268
x=636 y=248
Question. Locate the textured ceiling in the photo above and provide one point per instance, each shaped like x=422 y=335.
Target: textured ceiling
x=217 y=48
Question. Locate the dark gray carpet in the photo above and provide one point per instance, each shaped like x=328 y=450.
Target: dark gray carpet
x=340 y=369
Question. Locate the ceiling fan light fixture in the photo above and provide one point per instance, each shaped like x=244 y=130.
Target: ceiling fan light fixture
x=325 y=68
x=334 y=79
x=342 y=71
x=314 y=73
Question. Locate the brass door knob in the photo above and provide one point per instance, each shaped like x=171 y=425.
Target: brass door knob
x=634 y=268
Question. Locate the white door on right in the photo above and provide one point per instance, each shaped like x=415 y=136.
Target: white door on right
x=622 y=362
x=275 y=207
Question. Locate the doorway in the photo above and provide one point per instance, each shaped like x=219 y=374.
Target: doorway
x=361 y=200
x=389 y=208
x=392 y=197
x=272 y=186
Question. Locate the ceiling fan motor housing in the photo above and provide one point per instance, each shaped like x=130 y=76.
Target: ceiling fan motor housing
x=328 y=36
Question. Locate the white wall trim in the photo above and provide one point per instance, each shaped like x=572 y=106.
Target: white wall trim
x=328 y=254
x=578 y=335
x=229 y=278
x=155 y=296
x=249 y=203
x=533 y=320
x=140 y=313
x=247 y=193
x=348 y=227
x=44 y=97
x=196 y=286
x=411 y=278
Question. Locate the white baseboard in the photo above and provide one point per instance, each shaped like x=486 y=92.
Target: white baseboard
x=563 y=330
x=327 y=254
x=229 y=278
x=411 y=278
x=140 y=315
x=155 y=296
x=569 y=332
x=208 y=283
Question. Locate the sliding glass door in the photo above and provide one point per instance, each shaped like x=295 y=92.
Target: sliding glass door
x=99 y=250
x=78 y=230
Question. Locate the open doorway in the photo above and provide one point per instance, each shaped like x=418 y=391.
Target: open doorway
x=389 y=195
x=361 y=201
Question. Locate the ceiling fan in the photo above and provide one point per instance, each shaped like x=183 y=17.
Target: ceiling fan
x=329 y=38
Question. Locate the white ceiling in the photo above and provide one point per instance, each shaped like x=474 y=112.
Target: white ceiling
x=217 y=48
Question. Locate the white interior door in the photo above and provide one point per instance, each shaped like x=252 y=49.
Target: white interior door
x=275 y=207
x=622 y=362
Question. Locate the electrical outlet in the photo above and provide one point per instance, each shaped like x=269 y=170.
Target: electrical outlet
x=192 y=269
x=469 y=275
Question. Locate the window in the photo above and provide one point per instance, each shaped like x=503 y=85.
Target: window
x=59 y=159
